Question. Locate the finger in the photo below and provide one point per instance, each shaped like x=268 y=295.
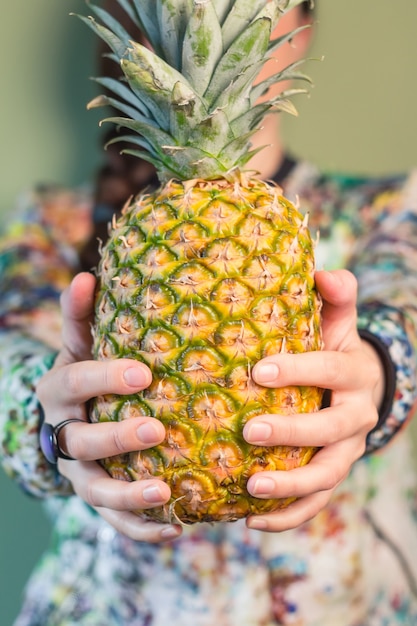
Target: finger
x=327 y=369
x=326 y=470
x=319 y=429
x=339 y=292
x=338 y=287
x=79 y=382
x=293 y=516
x=92 y=483
x=77 y=303
x=90 y=442
x=138 y=529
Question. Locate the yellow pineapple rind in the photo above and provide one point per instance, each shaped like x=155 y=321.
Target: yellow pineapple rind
x=199 y=281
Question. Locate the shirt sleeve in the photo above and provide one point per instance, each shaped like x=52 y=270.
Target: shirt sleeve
x=37 y=261
x=386 y=268
x=23 y=361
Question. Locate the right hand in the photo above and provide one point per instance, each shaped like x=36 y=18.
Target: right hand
x=63 y=393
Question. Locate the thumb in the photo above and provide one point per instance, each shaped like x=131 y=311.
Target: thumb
x=338 y=290
x=77 y=303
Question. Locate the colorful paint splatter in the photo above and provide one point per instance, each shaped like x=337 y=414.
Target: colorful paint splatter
x=352 y=565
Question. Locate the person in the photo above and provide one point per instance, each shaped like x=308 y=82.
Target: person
x=342 y=554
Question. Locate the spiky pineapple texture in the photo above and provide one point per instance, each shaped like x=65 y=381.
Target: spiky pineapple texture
x=200 y=280
x=213 y=271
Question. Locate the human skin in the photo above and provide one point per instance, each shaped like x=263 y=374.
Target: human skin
x=348 y=366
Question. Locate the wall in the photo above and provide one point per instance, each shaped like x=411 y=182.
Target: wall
x=360 y=117
x=46 y=132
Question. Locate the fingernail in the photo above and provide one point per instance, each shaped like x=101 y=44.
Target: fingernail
x=259 y=432
x=149 y=433
x=262 y=487
x=265 y=373
x=170 y=532
x=257 y=524
x=136 y=377
x=152 y=495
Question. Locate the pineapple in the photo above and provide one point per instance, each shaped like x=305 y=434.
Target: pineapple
x=212 y=271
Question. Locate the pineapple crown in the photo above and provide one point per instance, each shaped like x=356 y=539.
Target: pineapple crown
x=192 y=102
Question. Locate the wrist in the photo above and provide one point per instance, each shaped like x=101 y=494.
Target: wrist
x=384 y=391
x=383 y=327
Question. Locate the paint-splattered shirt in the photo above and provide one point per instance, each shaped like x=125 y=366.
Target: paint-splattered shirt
x=354 y=564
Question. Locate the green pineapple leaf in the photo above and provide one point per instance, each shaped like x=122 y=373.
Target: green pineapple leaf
x=146 y=155
x=193 y=97
x=255 y=114
x=202 y=47
x=138 y=140
x=128 y=8
x=112 y=24
x=121 y=90
x=248 y=49
x=238 y=18
x=211 y=134
x=222 y=8
x=287 y=73
x=174 y=16
x=195 y=162
x=147 y=17
x=106 y=35
x=153 y=134
x=236 y=152
x=102 y=100
x=236 y=98
x=153 y=80
x=272 y=11
x=250 y=118
x=274 y=44
x=186 y=111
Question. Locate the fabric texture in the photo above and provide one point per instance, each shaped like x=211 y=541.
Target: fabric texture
x=352 y=565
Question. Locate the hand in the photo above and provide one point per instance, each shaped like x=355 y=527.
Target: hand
x=63 y=392
x=351 y=370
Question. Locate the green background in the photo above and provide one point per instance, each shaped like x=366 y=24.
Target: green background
x=359 y=118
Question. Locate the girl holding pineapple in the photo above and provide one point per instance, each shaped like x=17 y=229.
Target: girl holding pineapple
x=340 y=553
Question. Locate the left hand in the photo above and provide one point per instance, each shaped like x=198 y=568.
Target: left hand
x=64 y=391
x=352 y=371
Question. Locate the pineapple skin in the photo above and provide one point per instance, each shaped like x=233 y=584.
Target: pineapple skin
x=200 y=280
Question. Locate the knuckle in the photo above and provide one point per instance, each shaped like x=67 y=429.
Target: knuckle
x=117 y=439
x=331 y=477
x=112 y=377
x=361 y=449
x=74 y=441
x=91 y=496
x=72 y=445
x=39 y=392
x=130 y=496
x=42 y=388
x=288 y=432
x=372 y=419
x=332 y=432
x=318 y=502
x=373 y=372
x=71 y=380
x=63 y=468
x=333 y=480
x=366 y=416
x=333 y=367
x=329 y=481
x=350 y=280
x=108 y=374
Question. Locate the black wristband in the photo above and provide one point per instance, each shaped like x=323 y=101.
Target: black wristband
x=390 y=373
